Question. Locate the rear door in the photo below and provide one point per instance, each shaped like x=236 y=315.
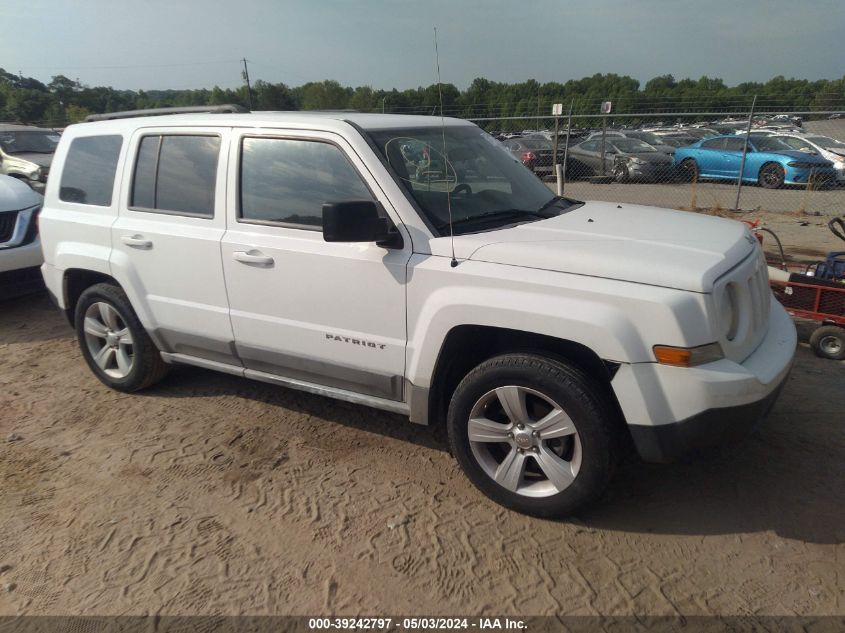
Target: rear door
x=732 y=157
x=166 y=240
x=710 y=157
x=302 y=308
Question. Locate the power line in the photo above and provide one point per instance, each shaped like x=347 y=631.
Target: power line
x=124 y=66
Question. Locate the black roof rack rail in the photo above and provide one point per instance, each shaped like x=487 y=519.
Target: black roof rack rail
x=131 y=114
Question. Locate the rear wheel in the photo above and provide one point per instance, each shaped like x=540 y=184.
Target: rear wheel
x=771 y=176
x=533 y=434
x=115 y=345
x=828 y=341
x=689 y=169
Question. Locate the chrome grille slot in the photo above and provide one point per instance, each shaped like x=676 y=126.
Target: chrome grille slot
x=750 y=281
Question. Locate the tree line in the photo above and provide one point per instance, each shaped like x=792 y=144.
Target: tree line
x=63 y=100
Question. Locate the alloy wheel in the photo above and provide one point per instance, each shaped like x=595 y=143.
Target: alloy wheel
x=109 y=340
x=524 y=441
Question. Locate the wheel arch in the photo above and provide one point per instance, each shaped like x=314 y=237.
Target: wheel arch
x=466 y=346
x=75 y=281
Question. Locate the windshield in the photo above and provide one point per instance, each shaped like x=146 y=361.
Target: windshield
x=828 y=143
x=535 y=143
x=770 y=144
x=480 y=179
x=30 y=141
x=631 y=146
x=648 y=137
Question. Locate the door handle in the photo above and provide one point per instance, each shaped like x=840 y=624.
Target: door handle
x=136 y=241
x=253 y=257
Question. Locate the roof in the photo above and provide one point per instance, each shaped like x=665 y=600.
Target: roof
x=13 y=127
x=328 y=120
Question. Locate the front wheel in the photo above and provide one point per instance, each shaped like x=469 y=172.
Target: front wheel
x=621 y=173
x=533 y=434
x=115 y=345
x=771 y=176
x=828 y=341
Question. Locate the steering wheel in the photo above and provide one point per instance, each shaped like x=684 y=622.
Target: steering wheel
x=462 y=188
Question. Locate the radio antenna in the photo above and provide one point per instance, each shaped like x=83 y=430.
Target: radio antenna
x=454 y=261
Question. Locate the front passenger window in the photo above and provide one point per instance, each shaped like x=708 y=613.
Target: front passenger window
x=287 y=181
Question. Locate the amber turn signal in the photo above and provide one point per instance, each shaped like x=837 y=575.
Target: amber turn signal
x=687 y=356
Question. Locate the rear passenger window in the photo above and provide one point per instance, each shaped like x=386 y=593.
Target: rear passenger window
x=288 y=181
x=88 y=172
x=176 y=174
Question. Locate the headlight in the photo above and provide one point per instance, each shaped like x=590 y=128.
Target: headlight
x=688 y=356
x=36 y=175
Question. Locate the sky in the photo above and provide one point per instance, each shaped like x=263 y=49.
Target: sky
x=163 y=44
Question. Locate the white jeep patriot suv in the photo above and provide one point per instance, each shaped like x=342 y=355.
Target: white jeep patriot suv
x=413 y=265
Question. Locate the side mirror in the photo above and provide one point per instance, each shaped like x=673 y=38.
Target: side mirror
x=358 y=221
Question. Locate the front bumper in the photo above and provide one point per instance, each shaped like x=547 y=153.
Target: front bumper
x=798 y=176
x=672 y=410
x=650 y=171
x=19 y=257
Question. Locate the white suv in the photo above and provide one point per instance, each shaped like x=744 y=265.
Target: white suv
x=413 y=265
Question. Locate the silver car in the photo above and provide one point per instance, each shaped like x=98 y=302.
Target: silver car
x=26 y=153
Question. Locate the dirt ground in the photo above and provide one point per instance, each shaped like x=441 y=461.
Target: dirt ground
x=210 y=494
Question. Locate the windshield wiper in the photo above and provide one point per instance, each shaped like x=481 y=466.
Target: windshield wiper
x=569 y=205
x=500 y=214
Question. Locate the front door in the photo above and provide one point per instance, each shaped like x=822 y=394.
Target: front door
x=302 y=308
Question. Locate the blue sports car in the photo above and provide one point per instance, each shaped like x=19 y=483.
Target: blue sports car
x=769 y=162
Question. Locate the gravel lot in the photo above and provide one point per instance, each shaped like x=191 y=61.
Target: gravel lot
x=211 y=494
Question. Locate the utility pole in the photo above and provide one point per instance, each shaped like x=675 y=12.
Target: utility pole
x=744 y=153
x=248 y=88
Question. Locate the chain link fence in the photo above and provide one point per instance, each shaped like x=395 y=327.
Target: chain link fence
x=791 y=161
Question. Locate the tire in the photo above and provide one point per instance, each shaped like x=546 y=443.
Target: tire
x=771 y=176
x=828 y=341
x=115 y=345
x=581 y=454
x=689 y=170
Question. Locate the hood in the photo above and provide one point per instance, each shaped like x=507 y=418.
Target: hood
x=804 y=156
x=42 y=160
x=16 y=195
x=651 y=157
x=646 y=245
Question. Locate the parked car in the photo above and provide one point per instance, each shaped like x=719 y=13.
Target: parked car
x=26 y=153
x=535 y=153
x=824 y=146
x=549 y=335
x=678 y=141
x=769 y=162
x=20 y=248
x=646 y=137
x=697 y=132
x=625 y=159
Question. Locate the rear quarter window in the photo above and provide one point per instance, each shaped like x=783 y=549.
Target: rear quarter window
x=89 y=169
